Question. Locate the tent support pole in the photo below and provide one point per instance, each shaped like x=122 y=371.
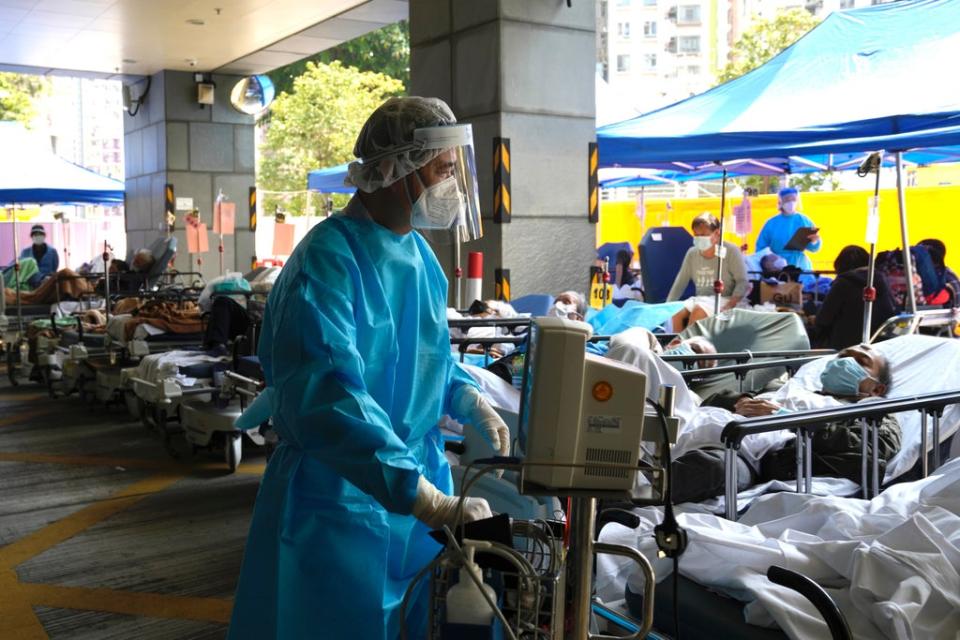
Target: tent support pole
x=905 y=236
x=869 y=293
x=16 y=275
x=718 y=283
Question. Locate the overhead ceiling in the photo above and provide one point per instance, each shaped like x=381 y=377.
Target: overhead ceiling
x=117 y=38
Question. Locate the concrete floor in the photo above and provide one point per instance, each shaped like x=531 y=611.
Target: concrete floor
x=103 y=535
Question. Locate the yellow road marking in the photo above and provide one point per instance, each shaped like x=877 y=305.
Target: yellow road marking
x=129 y=463
x=23 y=416
x=39 y=541
x=151 y=605
x=17 y=620
x=21 y=397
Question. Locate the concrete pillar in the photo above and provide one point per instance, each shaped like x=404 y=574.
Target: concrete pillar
x=523 y=70
x=199 y=150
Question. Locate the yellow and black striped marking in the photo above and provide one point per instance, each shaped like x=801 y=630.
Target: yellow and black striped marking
x=593 y=183
x=501 y=180
x=252 y=201
x=169 y=206
x=501 y=278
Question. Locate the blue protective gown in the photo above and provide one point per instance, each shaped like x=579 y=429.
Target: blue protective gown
x=356 y=349
x=777 y=232
x=47 y=265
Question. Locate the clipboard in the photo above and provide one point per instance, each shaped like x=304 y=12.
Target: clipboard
x=800 y=239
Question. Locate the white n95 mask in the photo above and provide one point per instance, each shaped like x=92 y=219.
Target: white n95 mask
x=439 y=206
x=702 y=243
x=790 y=206
x=564 y=310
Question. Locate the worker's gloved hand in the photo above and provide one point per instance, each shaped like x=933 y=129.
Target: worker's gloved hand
x=470 y=404
x=435 y=509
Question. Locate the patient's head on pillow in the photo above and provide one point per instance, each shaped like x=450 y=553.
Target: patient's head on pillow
x=870 y=374
x=143 y=260
x=696 y=344
x=572 y=304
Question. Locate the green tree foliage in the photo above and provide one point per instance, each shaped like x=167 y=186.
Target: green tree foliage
x=758 y=44
x=18 y=95
x=386 y=51
x=765 y=39
x=315 y=126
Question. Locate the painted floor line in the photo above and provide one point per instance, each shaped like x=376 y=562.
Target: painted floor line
x=127 y=463
x=150 y=605
x=21 y=417
x=53 y=534
x=17 y=619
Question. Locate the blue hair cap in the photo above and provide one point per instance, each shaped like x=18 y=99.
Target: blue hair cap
x=788 y=191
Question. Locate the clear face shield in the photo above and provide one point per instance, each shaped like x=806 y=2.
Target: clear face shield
x=447 y=208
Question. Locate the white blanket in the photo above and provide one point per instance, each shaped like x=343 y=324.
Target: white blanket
x=166 y=366
x=117 y=329
x=891 y=563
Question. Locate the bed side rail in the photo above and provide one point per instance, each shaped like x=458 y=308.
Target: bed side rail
x=805 y=423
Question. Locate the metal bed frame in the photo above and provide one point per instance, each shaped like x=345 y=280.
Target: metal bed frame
x=806 y=423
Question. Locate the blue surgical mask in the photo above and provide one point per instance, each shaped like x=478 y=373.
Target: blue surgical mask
x=682 y=349
x=703 y=243
x=842 y=377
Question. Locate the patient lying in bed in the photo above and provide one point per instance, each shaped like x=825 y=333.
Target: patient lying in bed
x=857 y=373
x=71 y=287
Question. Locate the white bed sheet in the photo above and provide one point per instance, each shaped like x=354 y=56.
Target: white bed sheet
x=891 y=563
x=157 y=367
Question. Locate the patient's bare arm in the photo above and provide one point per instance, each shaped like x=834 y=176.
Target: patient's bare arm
x=751 y=407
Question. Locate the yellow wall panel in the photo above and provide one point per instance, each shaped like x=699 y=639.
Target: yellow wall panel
x=932 y=212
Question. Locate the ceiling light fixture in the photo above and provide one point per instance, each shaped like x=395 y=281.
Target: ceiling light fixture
x=197 y=22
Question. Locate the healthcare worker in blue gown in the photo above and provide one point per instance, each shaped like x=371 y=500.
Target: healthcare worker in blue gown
x=778 y=230
x=355 y=349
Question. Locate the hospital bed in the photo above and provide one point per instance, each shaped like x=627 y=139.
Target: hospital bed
x=741 y=330
x=111 y=367
x=937 y=322
x=865 y=414
x=38 y=362
x=928 y=410
x=879 y=562
x=191 y=393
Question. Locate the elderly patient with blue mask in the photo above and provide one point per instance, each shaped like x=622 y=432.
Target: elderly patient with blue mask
x=855 y=374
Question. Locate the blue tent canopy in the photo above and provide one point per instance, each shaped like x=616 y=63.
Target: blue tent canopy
x=329 y=180
x=31 y=174
x=862 y=80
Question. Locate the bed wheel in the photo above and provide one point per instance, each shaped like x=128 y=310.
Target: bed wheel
x=142 y=410
x=11 y=367
x=233 y=450
x=160 y=420
x=47 y=377
x=168 y=445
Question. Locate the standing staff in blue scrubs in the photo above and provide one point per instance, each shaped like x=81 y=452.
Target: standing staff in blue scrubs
x=778 y=230
x=48 y=260
x=356 y=353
